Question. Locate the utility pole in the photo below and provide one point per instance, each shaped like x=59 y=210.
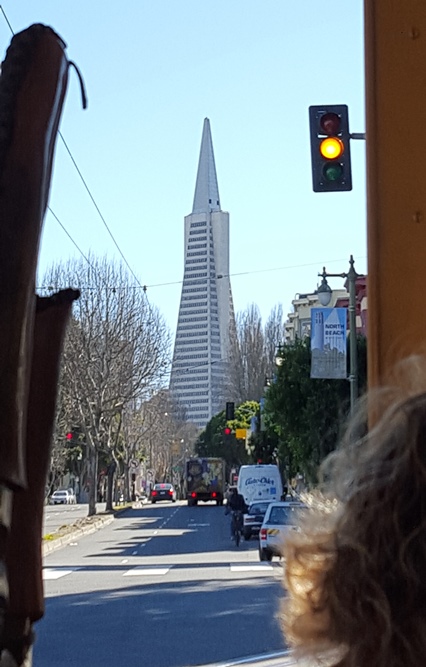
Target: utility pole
x=395 y=57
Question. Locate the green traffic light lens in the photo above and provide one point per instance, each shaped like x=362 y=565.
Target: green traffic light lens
x=333 y=171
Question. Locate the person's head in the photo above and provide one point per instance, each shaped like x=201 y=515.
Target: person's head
x=356 y=573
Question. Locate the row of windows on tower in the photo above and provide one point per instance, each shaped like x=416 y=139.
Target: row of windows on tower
x=199 y=224
x=199 y=318
x=197 y=275
x=197 y=246
x=181 y=379
x=214 y=327
x=215 y=338
x=195 y=289
x=193 y=281
x=188 y=306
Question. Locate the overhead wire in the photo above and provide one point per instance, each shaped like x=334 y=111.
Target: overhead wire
x=145 y=287
x=83 y=180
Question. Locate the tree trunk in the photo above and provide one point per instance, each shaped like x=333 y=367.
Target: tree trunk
x=92 y=479
x=126 y=482
x=110 y=488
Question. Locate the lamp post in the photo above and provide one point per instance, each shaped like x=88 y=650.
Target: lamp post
x=324 y=295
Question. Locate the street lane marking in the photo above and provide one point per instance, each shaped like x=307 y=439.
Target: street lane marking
x=52 y=573
x=197 y=525
x=251 y=567
x=146 y=571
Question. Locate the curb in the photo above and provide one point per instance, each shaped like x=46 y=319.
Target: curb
x=99 y=522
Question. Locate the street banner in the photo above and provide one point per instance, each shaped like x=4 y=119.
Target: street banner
x=328 y=343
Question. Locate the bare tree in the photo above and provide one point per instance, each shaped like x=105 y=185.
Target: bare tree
x=253 y=363
x=253 y=359
x=274 y=335
x=116 y=349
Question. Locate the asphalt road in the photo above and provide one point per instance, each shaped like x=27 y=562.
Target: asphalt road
x=162 y=586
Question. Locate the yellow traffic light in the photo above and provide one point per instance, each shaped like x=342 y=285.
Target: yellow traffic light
x=331 y=148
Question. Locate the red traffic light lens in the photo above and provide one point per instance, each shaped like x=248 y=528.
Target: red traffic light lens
x=330 y=123
x=227 y=431
x=68 y=436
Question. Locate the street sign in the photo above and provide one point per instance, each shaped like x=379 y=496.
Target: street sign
x=134 y=463
x=240 y=433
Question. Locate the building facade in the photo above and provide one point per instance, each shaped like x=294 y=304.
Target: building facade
x=298 y=324
x=206 y=322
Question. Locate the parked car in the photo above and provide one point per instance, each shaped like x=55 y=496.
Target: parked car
x=73 y=497
x=62 y=497
x=163 y=492
x=254 y=518
x=278 y=521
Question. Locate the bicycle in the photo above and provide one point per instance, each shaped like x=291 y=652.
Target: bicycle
x=237 y=526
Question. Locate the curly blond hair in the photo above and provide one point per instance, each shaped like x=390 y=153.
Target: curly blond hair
x=356 y=571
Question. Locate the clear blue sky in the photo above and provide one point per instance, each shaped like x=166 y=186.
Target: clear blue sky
x=153 y=71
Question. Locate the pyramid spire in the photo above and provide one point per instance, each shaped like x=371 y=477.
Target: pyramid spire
x=206 y=196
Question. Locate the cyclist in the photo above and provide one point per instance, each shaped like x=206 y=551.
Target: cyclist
x=237 y=506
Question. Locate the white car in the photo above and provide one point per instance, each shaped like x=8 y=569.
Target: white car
x=278 y=521
x=62 y=497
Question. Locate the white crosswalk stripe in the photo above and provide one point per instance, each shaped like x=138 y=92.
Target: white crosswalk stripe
x=146 y=571
x=52 y=573
x=266 y=568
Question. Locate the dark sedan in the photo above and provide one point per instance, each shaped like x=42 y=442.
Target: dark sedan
x=163 y=492
x=254 y=518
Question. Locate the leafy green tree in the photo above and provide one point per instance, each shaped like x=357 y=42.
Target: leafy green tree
x=307 y=414
x=213 y=441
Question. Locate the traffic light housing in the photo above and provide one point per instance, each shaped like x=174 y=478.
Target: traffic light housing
x=330 y=148
x=230 y=412
x=227 y=430
x=73 y=437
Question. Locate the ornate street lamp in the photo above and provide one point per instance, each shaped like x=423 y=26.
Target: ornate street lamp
x=324 y=296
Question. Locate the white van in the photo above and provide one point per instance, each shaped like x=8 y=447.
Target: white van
x=260 y=482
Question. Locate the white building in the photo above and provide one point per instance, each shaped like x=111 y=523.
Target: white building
x=206 y=321
x=298 y=324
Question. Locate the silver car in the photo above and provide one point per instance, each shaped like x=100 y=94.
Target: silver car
x=279 y=520
x=62 y=497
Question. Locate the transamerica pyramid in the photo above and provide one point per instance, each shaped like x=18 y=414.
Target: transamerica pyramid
x=206 y=323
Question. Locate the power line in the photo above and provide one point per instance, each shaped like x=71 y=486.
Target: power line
x=83 y=180
x=6 y=19
x=71 y=238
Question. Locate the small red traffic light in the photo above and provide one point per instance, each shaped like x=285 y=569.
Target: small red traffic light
x=330 y=123
x=68 y=436
x=227 y=431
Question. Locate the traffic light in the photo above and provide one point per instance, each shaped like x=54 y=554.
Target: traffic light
x=330 y=148
x=73 y=437
x=230 y=411
x=227 y=430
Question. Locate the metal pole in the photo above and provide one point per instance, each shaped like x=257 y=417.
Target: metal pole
x=353 y=360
